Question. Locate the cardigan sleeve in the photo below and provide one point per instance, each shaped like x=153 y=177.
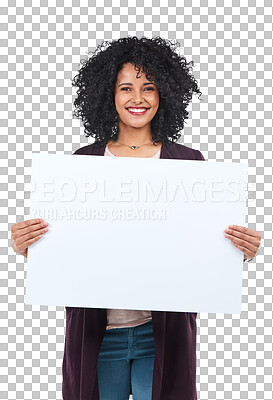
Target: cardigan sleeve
x=199 y=155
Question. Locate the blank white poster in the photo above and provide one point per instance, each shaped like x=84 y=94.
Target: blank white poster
x=136 y=233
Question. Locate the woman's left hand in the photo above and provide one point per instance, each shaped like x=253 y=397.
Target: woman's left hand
x=245 y=239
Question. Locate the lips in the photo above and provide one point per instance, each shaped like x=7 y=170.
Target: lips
x=137 y=112
x=137 y=108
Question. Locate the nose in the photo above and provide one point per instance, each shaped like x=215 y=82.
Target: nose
x=138 y=96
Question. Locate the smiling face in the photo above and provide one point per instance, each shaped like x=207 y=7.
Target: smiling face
x=132 y=93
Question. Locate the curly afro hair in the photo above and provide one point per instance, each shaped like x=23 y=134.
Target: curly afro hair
x=95 y=102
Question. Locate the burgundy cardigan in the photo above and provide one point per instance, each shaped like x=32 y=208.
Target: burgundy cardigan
x=174 y=376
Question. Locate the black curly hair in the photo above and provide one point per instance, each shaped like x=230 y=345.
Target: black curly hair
x=95 y=101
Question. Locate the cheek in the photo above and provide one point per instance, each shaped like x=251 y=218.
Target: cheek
x=156 y=100
x=119 y=101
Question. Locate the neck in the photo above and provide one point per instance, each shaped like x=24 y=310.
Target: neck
x=133 y=136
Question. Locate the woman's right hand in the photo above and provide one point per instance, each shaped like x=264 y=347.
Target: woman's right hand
x=24 y=233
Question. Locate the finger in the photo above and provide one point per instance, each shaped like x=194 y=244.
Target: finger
x=248 y=253
x=244 y=229
x=244 y=244
x=251 y=239
x=30 y=229
x=25 y=224
x=21 y=248
x=22 y=239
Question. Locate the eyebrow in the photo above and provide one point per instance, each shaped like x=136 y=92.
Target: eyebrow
x=144 y=84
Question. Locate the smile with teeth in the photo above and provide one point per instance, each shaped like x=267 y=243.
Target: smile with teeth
x=139 y=111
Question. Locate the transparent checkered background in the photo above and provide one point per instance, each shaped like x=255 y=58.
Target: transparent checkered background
x=231 y=45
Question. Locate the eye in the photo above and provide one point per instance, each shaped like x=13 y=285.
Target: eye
x=150 y=87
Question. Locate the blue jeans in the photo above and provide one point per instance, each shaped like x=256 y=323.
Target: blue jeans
x=126 y=358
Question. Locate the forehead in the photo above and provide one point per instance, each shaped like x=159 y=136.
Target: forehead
x=129 y=73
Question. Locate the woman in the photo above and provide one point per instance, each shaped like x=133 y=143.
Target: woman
x=132 y=98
